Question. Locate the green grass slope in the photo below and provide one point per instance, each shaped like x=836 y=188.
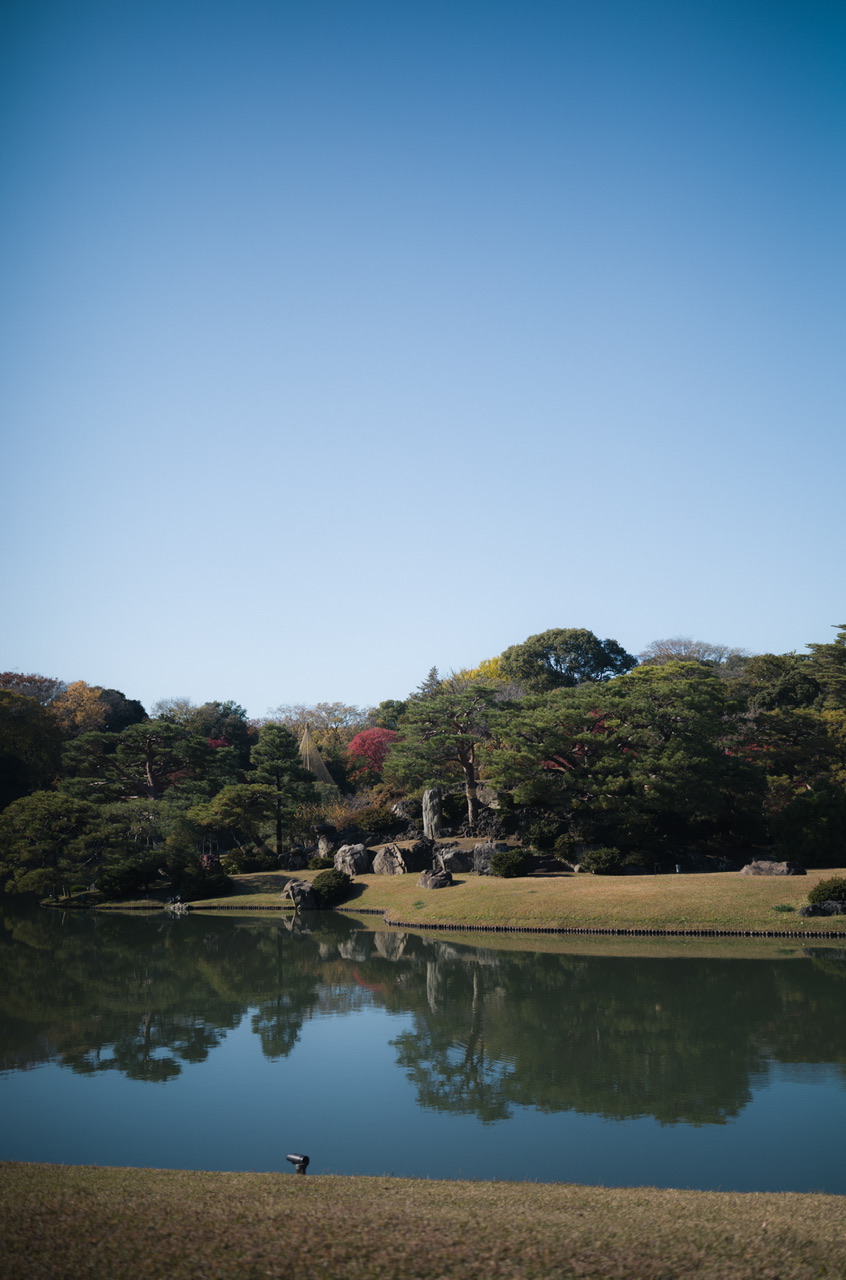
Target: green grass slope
x=725 y=900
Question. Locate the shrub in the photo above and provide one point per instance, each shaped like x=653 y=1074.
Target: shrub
x=603 y=862
x=331 y=887
x=243 y=861
x=544 y=832
x=566 y=848
x=511 y=863
x=319 y=863
x=833 y=890
x=374 y=819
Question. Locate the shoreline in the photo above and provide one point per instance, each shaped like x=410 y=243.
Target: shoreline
x=531 y=929
x=706 y=905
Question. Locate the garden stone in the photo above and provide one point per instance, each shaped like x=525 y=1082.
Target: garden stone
x=325 y=846
x=824 y=909
x=435 y=880
x=301 y=894
x=432 y=813
x=765 y=867
x=451 y=859
x=394 y=861
x=420 y=856
x=354 y=859
x=483 y=853
x=388 y=862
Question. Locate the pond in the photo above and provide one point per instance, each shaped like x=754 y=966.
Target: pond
x=224 y=1041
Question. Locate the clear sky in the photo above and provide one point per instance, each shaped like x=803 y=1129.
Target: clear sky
x=344 y=338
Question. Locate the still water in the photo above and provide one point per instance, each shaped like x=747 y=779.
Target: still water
x=226 y=1041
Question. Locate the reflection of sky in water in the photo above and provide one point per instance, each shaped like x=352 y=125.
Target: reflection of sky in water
x=341 y=1097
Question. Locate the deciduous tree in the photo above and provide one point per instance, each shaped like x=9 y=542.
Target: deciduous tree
x=42 y=688
x=562 y=658
x=367 y=752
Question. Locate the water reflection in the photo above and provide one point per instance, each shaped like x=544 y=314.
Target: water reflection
x=676 y=1039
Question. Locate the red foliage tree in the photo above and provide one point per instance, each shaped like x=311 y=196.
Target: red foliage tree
x=369 y=748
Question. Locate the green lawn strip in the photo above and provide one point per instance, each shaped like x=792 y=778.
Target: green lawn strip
x=60 y=1222
x=713 y=901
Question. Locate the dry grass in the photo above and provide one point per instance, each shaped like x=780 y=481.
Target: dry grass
x=66 y=1223
x=714 y=901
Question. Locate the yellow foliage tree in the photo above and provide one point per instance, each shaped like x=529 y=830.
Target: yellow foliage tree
x=489 y=671
x=81 y=708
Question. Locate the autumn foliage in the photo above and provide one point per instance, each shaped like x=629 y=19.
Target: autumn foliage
x=368 y=749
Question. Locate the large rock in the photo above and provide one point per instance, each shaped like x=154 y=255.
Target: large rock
x=829 y=908
x=388 y=862
x=765 y=867
x=394 y=861
x=325 y=845
x=452 y=859
x=301 y=894
x=432 y=813
x=435 y=880
x=354 y=859
x=482 y=855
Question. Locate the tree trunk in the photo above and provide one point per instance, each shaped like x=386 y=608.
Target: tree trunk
x=470 y=792
x=149 y=770
x=278 y=822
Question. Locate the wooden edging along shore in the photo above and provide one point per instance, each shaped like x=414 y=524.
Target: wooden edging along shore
x=618 y=932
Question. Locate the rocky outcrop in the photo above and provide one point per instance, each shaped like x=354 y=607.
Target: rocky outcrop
x=301 y=894
x=354 y=859
x=765 y=867
x=435 y=880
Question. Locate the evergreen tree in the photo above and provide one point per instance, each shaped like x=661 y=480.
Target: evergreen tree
x=276 y=767
x=439 y=741
x=828 y=666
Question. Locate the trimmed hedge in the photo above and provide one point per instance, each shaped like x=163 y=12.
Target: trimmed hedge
x=332 y=887
x=833 y=890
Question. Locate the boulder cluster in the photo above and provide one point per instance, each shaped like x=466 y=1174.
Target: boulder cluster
x=434 y=863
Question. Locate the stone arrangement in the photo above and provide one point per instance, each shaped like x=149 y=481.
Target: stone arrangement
x=765 y=867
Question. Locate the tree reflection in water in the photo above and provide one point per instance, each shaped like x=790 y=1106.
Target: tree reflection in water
x=677 y=1039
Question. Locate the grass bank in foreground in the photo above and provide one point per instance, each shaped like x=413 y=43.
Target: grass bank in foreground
x=84 y=1223
x=715 y=901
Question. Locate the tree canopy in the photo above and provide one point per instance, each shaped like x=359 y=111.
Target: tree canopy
x=562 y=658
x=564 y=740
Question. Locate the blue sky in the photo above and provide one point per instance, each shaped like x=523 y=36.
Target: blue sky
x=341 y=339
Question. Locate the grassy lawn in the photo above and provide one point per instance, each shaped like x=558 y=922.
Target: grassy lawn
x=83 y=1223
x=713 y=901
